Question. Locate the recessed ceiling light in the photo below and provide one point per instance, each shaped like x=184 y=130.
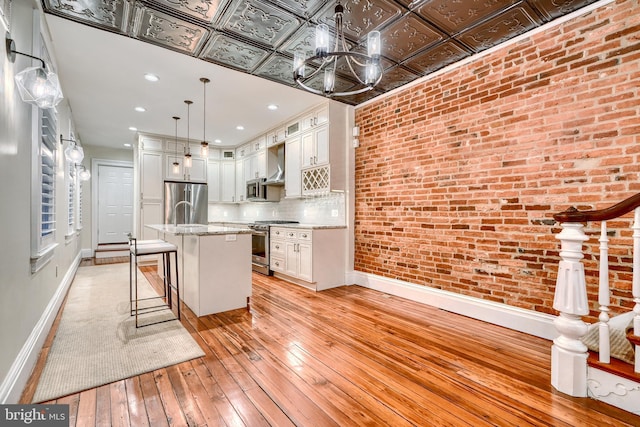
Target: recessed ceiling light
x=240 y=127
x=140 y=109
x=127 y=145
x=151 y=77
x=217 y=141
x=133 y=128
x=272 y=107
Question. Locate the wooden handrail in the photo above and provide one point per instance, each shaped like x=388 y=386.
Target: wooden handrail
x=574 y=215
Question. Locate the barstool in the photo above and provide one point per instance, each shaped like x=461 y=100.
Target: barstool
x=152 y=247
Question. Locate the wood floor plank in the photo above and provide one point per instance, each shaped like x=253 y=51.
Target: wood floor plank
x=135 y=401
x=346 y=356
x=152 y=401
x=87 y=408
x=119 y=405
x=103 y=406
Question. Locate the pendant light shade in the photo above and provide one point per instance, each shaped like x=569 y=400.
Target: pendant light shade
x=204 y=145
x=84 y=174
x=176 y=165
x=36 y=85
x=73 y=153
x=187 y=149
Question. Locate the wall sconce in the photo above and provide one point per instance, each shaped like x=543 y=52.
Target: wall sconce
x=36 y=85
x=73 y=153
x=84 y=174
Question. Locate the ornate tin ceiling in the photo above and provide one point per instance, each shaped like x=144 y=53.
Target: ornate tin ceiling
x=259 y=37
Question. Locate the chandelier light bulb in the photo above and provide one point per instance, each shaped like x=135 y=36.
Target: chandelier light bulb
x=322 y=40
x=329 y=81
x=373 y=44
x=298 y=63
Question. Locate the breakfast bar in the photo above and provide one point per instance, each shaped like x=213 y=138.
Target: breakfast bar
x=215 y=265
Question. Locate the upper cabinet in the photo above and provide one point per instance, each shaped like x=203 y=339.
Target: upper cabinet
x=197 y=172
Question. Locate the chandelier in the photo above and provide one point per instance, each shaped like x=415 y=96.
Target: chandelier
x=365 y=68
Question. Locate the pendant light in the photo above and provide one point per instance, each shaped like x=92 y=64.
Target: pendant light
x=204 y=145
x=176 y=165
x=187 y=150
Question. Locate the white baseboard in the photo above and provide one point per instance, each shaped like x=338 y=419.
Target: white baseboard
x=86 y=253
x=527 y=321
x=18 y=375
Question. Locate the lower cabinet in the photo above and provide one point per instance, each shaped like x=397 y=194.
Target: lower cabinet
x=315 y=258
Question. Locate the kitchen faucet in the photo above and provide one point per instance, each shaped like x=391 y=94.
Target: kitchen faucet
x=175 y=210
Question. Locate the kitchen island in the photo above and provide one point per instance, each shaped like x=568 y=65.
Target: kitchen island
x=214 y=265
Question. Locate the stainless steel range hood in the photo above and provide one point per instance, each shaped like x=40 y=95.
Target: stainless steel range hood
x=278 y=177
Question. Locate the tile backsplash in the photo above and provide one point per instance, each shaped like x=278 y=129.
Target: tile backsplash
x=327 y=209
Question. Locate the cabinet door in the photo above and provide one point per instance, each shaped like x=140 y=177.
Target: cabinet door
x=247 y=166
x=281 y=134
x=305 y=267
x=151 y=175
x=260 y=164
x=241 y=183
x=321 y=142
x=198 y=170
x=213 y=180
x=228 y=182
x=171 y=173
x=321 y=115
x=291 y=259
x=292 y=180
x=308 y=153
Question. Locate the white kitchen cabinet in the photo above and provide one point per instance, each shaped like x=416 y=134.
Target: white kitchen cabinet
x=228 y=181
x=276 y=136
x=213 y=181
x=314 y=258
x=315 y=146
x=151 y=192
x=241 y=183
x=316 y=117
x=292 y=187
x=197 y=172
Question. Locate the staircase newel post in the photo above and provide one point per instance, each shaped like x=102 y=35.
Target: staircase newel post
x=568 y=353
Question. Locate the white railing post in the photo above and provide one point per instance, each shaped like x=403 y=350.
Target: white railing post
x=636 y=283
x=568 y=353
x=604 y=298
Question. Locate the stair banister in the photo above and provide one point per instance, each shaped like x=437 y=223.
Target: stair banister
x=568 y=353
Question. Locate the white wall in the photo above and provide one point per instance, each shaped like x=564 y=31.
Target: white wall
x=28 y=302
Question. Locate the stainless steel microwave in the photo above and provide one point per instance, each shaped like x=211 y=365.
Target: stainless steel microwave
x=256 y=190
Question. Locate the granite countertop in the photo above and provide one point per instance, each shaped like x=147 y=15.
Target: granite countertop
x=310 y=226
x=197 y=229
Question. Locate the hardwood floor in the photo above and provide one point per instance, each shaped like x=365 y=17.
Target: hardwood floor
x=346 y=356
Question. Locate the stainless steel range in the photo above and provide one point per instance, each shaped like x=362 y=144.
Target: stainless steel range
x=260 y=244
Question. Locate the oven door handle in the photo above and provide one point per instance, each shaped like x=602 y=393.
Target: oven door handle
x=260 y=233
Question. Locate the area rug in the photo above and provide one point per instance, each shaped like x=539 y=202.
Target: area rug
x=97 y=341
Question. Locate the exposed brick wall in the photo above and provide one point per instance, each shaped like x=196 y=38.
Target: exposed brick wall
x=457 y=178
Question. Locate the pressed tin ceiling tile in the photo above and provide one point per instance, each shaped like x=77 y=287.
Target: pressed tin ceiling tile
x=204 y=10
x=277 y=67
x=553 y=8
x=304 y=8
x=361 y=16
x=396 y=77
x=165 y=30
x=231 y=52
x=407 y=36
x=260 y=36
x=500 y=28
x=110 y=14
x=455 y=16
x=260 y=21
x=437 y=57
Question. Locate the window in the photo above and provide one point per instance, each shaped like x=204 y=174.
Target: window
x=43 y=202
x=72 y=183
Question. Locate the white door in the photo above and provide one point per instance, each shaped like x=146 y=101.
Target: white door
x=115 y=203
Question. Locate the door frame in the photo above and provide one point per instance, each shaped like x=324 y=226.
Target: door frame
x=95 y=167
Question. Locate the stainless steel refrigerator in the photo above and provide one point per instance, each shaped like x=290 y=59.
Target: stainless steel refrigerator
x=185 y=203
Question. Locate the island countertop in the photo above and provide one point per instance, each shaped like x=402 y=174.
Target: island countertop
x=197 y=229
